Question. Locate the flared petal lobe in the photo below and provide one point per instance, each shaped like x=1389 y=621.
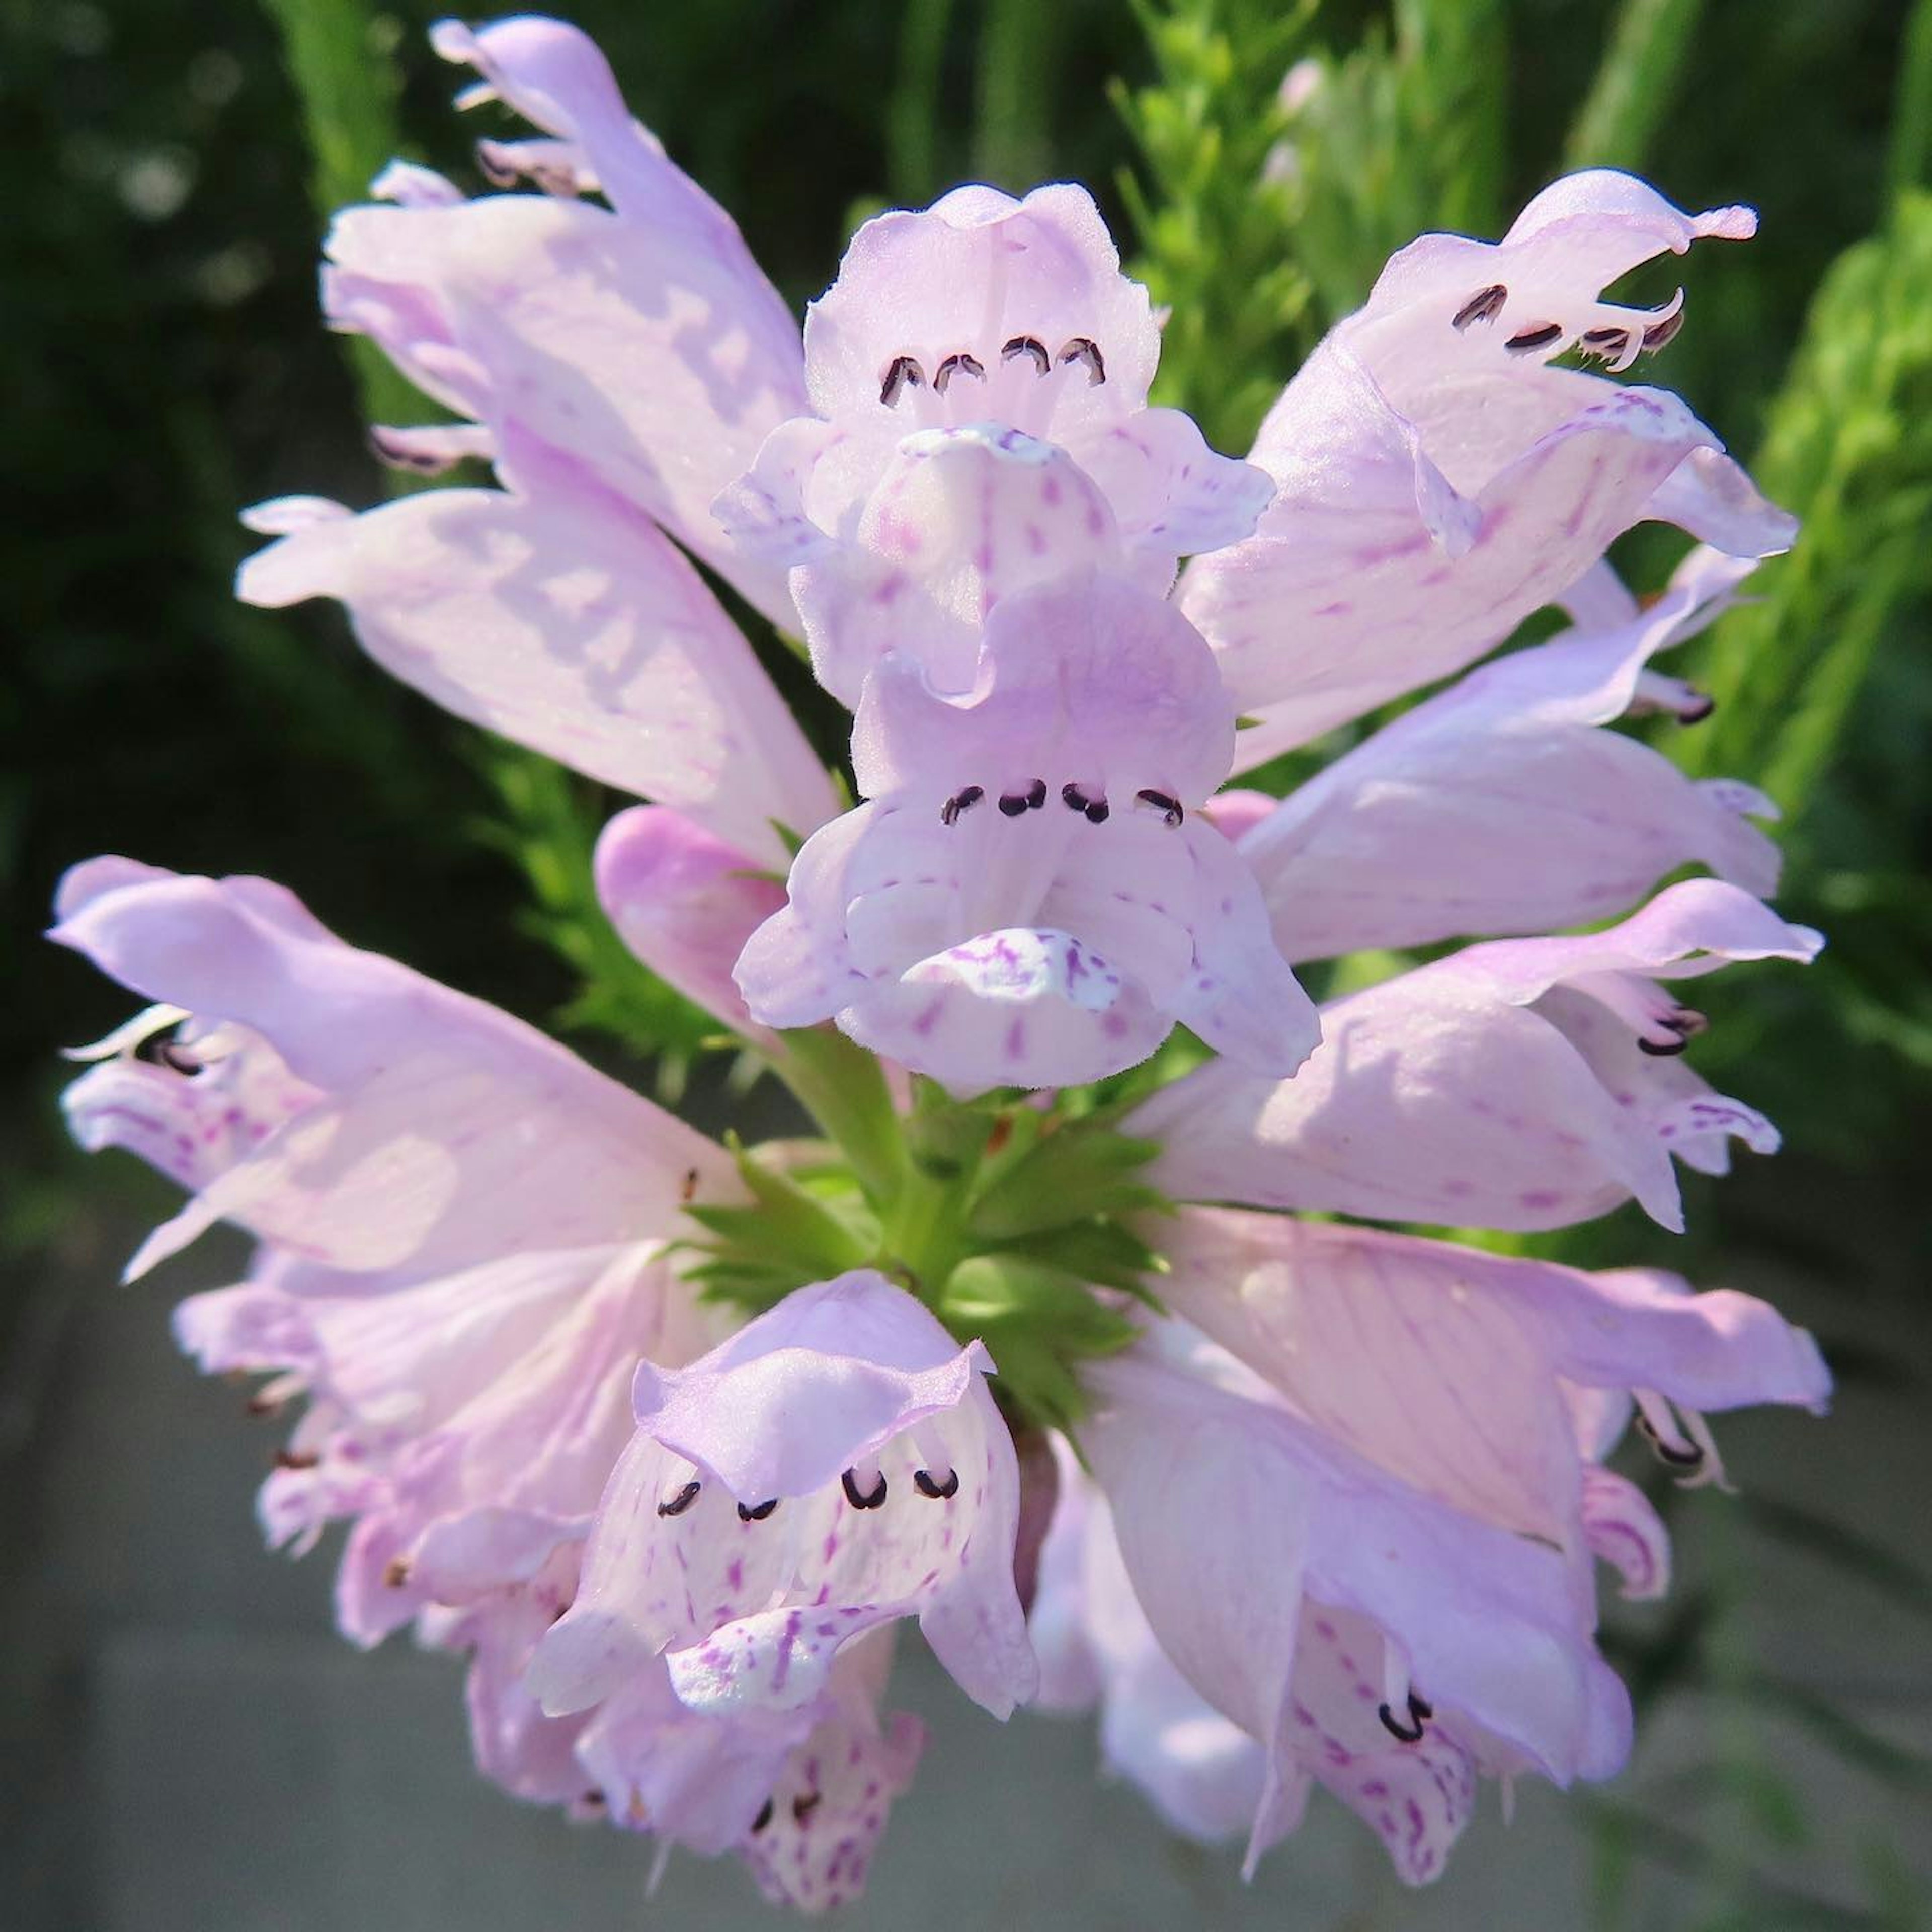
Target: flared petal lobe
x=412 y=1128
x=1029 y=897
x=1524 y=1084
x=836 y=1465
x=1436 y=482
x=1500 y=806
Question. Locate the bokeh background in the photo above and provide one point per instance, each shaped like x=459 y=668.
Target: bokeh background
x=185 y=1743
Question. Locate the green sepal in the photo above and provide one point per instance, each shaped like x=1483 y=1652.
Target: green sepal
x=1101 y=1252
x=1081 y=1171
x=1037 y=1322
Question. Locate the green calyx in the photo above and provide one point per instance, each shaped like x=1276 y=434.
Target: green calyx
x=1018 y=1225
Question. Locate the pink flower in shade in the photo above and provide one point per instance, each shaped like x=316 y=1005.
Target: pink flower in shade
x=1523 y=1083
x=1500 y=806
x=463 y=1264
x=1029 y=897
x=836 y=1465
x=618 y=366
x=979 y=376
x=1362 y=1530
x=1437 y=480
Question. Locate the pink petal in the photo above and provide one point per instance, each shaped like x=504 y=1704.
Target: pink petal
x=446 y=1134
x=1496 y=808
x=975 y=271
x=1449 y=1367
x=684 y=902
x=1456 y=1094
x=567 y=622
x=1229 y=1510
x=1437 y=483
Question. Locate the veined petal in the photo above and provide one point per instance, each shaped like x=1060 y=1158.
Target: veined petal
x=1231 y=1514
x=1437 y=483
x=837 y=1464
x=1450 y=1368
x=567 y=622
x=1355 y=589
x=974 y=273
x=1495 y=807
x=1482 y=1090
x=444 y=1132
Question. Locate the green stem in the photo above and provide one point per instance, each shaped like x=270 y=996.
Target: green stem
x=841 y=1086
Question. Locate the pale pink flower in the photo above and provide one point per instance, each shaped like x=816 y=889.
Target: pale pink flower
x=1364 y=1535
x=978 y=376
x=1436 y=481
x=1523 y=1083
x=1500 y=805
x=836 y=1465
x=1029 y=896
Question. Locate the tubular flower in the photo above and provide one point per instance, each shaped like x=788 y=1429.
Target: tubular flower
x=667 y=1440
x=469 y=1246
x=1436 y=481
x=1030 y=896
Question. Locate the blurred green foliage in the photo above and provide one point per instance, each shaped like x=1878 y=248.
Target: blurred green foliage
x=1261 y=158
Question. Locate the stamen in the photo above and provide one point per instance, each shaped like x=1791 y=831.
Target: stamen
x=863 y=1501
x=1678 y=1455
x=1035 y=795
x=1481 y=306
x=1027 y=345
x=961 y=364
x=758 y=1512
x=1609 y=345
x=682 y=1502
x=960 y=802
x=1083 y=348
x=1401 y=1734
x=1169 y=807
x=764 y=1817
x=1073 y=797
x=1014 y=803
x=1097 y=812
x=902 y=373
x=1419 y=1709
x=1681 y=1026
x=1539 y=337
x=939 y=1492
x=296 y=1459
x=159 y=1050
x=1659 y=333
x=805 y=1803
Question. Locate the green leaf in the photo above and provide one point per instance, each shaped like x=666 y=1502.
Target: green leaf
x=1631 y=97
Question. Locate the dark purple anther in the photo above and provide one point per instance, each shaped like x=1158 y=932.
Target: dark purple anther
x=863 y=1502
x=902 y=374
x=1481 y=306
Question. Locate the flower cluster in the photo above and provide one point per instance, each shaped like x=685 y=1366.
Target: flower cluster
x=666 y=1439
